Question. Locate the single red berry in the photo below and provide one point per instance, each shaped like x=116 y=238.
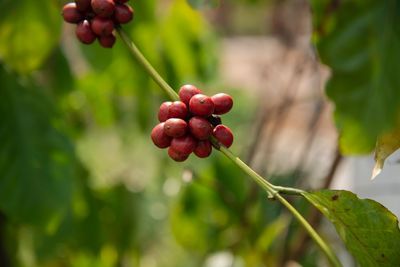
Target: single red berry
x=123 y=13
x=83 y=5
x=177 y=110
x=160 y=139
x=178 y=157
x=201 y=105
x=71 y=14
x=187 y=91
x=103 y=8
x=107 y=41
x=224 y=135
x=184 y=145
x=203 y=149
x=102 y=26
x=164 y=111
x=175 y=127
x=214 y=120
x=200 y=128
x=223 y=103
x=84 y=32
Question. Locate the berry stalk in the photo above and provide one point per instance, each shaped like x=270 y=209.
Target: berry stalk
x=272 y=190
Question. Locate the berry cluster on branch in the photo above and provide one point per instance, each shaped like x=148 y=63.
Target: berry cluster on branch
x=96 y=19
x=186 y=125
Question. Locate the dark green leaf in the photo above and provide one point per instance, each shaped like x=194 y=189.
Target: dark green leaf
x=369 y=230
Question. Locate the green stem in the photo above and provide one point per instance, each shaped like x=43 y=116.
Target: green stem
x=271 y=189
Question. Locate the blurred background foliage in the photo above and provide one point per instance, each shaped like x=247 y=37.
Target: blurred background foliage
x=81 y=183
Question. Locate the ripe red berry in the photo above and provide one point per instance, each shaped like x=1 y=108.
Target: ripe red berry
x=103 y=8
x=201 y=105
x=123 y=13
x=200 y=128
x=164 y=111
x=85 y=33
x=187 y=91
x=83 y=5
x=102 y=26
x=175 y=127
x=160 y=139
x=224 y=135
x=223 y=103
x=203 y=149
x=177 y=110
x=184 y=145
x=71 y=14
x=107 y=41
x=178 y=157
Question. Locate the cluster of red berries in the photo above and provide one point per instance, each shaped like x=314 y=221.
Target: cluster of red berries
x=97 y=19
x=186 y=126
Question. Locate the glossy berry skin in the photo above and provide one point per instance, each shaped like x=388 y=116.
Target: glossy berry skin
x=187 y=91
x=203 y=149
x=163 y=111
x=184 y=145
x=200 y=128
x=223 y=103
x=123 y=14
x=103 y=8
x=84 y=32
x=175 y=127
x=159 y=138
x=71 y=14
x=178 y=157
x=223 y=134
x=102 y=26
x=177 y=110
x=83 y=5
x=107 y=41
x=201 y=105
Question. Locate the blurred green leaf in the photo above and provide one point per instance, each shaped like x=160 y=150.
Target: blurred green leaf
x=362 y=49
x=369 y=230
x=203 y=3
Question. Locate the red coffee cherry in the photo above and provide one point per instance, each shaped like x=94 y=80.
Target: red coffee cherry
x=178 y=157
x=160 y=139
x=83 y=5
x=224 y=135
x=123 y=14
x=164 y=111
x=71 y=14
x=201 y=105
x=200 y=128
x=177 y=110
x=175 y=127
x=103 y=8
x=85 y=33
x=184 y=145
x=223 y=103
x=107 y=41
x=203 y=149
x=187 y=91
x=102 y=26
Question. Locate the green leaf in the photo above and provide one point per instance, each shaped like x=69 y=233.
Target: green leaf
x=29 y=31
x=369 y=230
x=359 y=41
x=36 y=160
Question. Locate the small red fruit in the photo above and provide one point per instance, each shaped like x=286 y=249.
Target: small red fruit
x=107 y=41
x=175 y=127
x=224 y=135
x=177 y=110
x=102 y=26
x=71 y=14
x=201 y=105
x=123 y=13
x=200 y=128
x=184 y=145
x=85 y=33
x=164 y=111
x=203 y=149
x=187 y=91
x=83 y=5
x=160 y=139
x=178 y=157
x=103 y=8
x=223 y=103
